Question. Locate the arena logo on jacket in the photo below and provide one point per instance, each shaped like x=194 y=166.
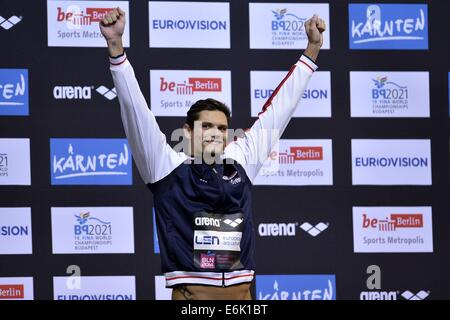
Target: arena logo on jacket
x=388 y=26
x=76 y=23
x=90 y=162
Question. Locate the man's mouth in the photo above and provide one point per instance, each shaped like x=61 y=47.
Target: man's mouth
x=213 y=141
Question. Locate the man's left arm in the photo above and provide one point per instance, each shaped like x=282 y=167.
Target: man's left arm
x=254 y=147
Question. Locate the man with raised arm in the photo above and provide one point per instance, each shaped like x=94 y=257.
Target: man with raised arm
x=202 y=196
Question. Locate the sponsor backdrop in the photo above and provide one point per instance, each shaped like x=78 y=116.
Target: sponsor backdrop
x=352 y=205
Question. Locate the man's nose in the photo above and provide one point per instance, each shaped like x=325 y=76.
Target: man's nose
x=214 y=131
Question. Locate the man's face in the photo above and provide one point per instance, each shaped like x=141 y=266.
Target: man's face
x=210 y=134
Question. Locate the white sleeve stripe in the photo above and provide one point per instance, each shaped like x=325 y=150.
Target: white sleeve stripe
x=305 y=61
x=118 y=60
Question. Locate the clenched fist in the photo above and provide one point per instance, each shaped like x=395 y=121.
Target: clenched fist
x=112 y=27
x=314 y=29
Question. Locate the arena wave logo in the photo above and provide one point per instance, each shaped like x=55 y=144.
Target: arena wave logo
x=189 y=24
x=233 y=222
x=388 y=26
x=14 y=92
x=421 y=295
x=90 y=161
x=10 y=22
x=315 y=230
x=295 y=287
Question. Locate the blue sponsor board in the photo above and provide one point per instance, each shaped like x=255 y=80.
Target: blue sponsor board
x=296 y=287
x=90 y=162
x=388 y=26
x=14 y=92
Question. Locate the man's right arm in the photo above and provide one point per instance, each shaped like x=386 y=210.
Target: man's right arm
x=154 y=158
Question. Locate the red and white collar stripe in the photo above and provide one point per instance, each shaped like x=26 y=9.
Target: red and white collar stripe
x=217 y=279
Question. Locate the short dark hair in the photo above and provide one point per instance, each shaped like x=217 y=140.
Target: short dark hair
x=209 y=105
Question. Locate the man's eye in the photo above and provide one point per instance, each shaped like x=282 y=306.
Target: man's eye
x=223 y=129
x=206 y=125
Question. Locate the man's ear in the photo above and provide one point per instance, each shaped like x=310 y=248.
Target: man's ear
x=187 y=131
